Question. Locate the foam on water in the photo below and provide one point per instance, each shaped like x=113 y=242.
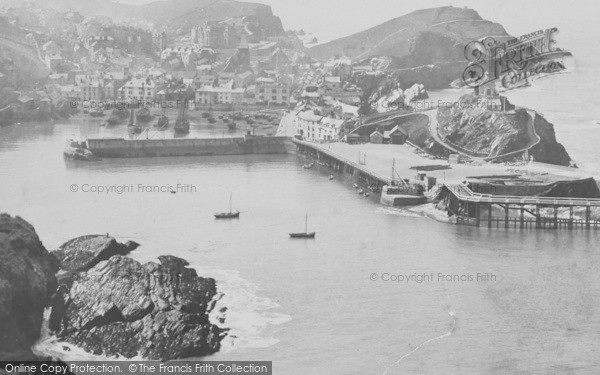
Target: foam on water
x=248 y=315
x=50 y=345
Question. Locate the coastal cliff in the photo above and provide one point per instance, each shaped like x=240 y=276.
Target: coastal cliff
x=482 y=129
x=26 y=282
x=123 y=308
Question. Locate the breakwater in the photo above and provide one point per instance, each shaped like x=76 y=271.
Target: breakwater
x=123 y=148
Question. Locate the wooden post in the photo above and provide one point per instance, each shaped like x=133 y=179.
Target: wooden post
x=522 y=223
x=587 y=217
x=555 y=217
x=506 y=216
x=490 y=215
x=477 y=214
x=571 y=217
x=538 y=221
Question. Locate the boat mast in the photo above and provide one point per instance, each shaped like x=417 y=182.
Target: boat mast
x=306 y=224
x=131 y=115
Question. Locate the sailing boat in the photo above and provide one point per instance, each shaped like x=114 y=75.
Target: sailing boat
x=182 y=124
x=163 y=120
x=230 y=214
x=135 y=128
x=306 y=234
x=131 y=118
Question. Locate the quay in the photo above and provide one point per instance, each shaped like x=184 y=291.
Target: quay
x=249 y=144
x=412 y=191
x=468 y=207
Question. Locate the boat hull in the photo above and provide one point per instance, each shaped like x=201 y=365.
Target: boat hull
x=303 y=235
x=227 y=215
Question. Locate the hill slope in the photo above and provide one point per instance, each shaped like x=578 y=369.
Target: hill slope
x=427 y=35
x=173 y=14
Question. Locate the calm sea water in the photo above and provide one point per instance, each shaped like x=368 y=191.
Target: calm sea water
x=311 y=306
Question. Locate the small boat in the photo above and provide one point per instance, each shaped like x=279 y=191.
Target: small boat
x=97 y=113
x=113 y=119
x=330 y=177
x=366 y=195
x=305 y=234
x=133 y=125
x=78 y=151
x=163 y=120
x=228 y=215
x=144 y=115
x=360 y=191
x=182 y=124
x=232 y=125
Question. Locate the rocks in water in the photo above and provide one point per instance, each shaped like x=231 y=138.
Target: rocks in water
x=26 y=282
x=83 y=253
x=122 y=307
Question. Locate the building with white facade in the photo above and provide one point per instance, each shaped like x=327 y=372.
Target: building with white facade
x=317 y=128
x=138 y=89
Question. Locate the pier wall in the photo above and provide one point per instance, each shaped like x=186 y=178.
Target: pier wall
x=122 y=148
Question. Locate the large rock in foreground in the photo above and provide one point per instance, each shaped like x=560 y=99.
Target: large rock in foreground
x=121 y=307
x=83 y=253
x=26 y=282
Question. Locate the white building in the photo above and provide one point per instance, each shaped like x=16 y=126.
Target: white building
x=219 y=95
x=317 y=128
x=138 y=89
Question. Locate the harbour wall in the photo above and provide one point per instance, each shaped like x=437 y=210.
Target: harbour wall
x=122 y=148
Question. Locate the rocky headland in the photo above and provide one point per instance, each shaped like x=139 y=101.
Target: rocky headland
x=103 y=301
x=479 y=127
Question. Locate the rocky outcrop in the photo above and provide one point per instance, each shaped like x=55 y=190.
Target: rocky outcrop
x=478 y=126
x=26 y=282
x=548 y=150
x=83 y=253
x=122 y=307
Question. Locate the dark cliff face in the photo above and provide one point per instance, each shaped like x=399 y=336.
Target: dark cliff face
x=26 y=282
x=548 y=150
x=121 y=307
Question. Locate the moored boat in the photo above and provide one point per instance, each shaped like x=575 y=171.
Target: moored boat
x=228 y=215
x=182 y=124
x=163 y=120
x=143 y=115
x=306 y=233
x=78 y=151
x=96 y=112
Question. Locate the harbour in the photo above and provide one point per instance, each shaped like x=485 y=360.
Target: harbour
x=266 y=277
